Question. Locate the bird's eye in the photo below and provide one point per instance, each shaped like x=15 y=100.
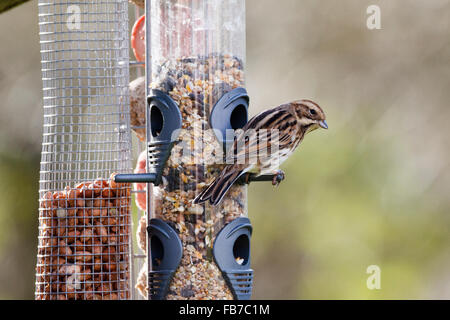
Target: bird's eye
x=312 y=112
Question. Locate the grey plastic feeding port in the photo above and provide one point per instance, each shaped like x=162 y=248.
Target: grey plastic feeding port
x=231 y=252
x=164 y=122
x=166 y=251
x=164 y=119
x=228 y=114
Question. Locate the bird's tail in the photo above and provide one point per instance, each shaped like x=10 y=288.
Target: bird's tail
x=219 y=187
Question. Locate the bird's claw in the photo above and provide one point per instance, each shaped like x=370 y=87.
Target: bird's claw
x=278 y=177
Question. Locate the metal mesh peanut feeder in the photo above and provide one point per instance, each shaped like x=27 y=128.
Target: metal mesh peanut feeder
x=84 y=216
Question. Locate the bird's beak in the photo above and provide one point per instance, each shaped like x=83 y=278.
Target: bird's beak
x=323 y=124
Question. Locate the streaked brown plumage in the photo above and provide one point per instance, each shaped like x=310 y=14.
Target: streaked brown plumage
x=292 y=120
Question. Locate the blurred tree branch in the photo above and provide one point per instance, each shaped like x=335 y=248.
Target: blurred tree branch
x=9 y=4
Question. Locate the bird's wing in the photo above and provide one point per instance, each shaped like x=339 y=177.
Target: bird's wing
x=251 y=142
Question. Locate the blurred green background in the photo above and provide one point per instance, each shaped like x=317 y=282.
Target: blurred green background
x=372 y=190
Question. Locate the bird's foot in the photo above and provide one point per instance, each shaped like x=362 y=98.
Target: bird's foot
x=278 y=176
x=247 y=178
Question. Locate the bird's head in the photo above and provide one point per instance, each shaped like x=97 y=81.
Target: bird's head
x=309 y=115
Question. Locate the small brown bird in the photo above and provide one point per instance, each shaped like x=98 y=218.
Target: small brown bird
x=292 y=121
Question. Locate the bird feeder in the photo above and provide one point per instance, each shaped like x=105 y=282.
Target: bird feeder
x=194 y=97
x=195 y=89
x=197 y=56
x=84 y=215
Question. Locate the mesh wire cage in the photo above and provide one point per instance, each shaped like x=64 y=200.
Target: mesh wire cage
x=84 y=247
